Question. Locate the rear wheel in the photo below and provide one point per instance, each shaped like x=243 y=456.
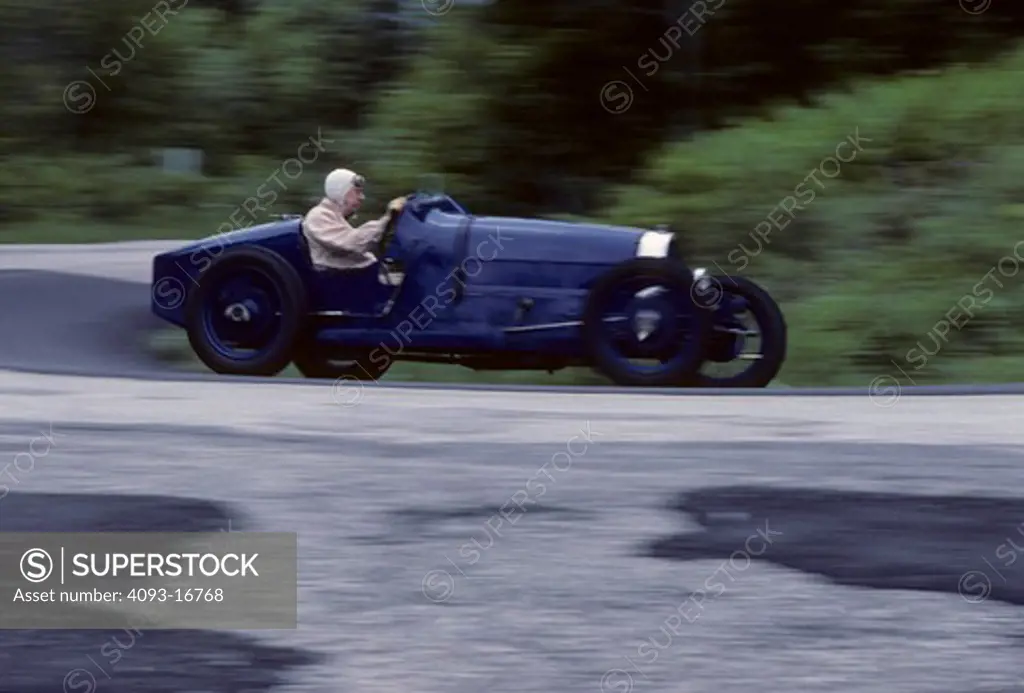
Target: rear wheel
x=246 y=312
x=314 y=361
x=641 y=325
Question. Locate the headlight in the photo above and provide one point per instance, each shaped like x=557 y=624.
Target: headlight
x=673 y=248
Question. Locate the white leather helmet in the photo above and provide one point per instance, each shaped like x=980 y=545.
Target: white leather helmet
x=339 y=182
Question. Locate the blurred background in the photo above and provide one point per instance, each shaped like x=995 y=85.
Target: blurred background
x=129 y=119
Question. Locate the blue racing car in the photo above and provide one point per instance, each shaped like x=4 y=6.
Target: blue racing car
x=477 y=291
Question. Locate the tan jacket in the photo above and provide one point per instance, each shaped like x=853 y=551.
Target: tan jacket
x=335 y=243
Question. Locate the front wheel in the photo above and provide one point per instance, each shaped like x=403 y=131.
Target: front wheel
x=749 y=330
x=642 y=326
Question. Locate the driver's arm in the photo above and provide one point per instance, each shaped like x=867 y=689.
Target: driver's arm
x=334 y=232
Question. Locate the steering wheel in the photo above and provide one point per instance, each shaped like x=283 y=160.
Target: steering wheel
x=389 y=230
x=389 y=226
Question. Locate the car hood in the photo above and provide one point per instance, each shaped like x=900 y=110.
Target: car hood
x=542 y=240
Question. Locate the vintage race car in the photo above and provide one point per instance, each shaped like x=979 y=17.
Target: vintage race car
x=482 y=292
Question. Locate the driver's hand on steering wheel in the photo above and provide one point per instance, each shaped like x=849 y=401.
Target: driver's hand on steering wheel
x=396 y=205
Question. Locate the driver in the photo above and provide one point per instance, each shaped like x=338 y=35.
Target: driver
x=333 y=242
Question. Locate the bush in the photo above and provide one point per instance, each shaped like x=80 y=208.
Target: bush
x=890 y=246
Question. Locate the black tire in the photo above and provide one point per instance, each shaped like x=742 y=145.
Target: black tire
x=666 y=271
x=278 y=354
x=773 y=337
x=314 y=362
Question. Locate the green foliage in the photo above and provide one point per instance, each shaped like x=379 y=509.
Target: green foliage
x=890 y=246
x=504 y=98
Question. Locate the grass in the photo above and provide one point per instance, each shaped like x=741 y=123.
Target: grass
x=172 y=347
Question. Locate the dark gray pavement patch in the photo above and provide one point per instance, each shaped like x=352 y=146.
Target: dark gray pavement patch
x=66 y=323
x=962 y=545
x=70 y=512
x=132 y=659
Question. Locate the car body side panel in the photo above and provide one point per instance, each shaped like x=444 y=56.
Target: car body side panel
x=526 y=273
x=426 y=248
x=177 y=272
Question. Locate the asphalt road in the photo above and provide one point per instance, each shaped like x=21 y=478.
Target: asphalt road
x=648 y=543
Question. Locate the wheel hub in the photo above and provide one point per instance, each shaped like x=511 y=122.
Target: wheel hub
x=645 y=323
x=238 y=312
x=246 y=321
x=653 y=326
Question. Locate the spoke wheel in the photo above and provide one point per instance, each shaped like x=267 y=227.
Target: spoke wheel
x=245 y=314
x=641 y=326
x=746 y=345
